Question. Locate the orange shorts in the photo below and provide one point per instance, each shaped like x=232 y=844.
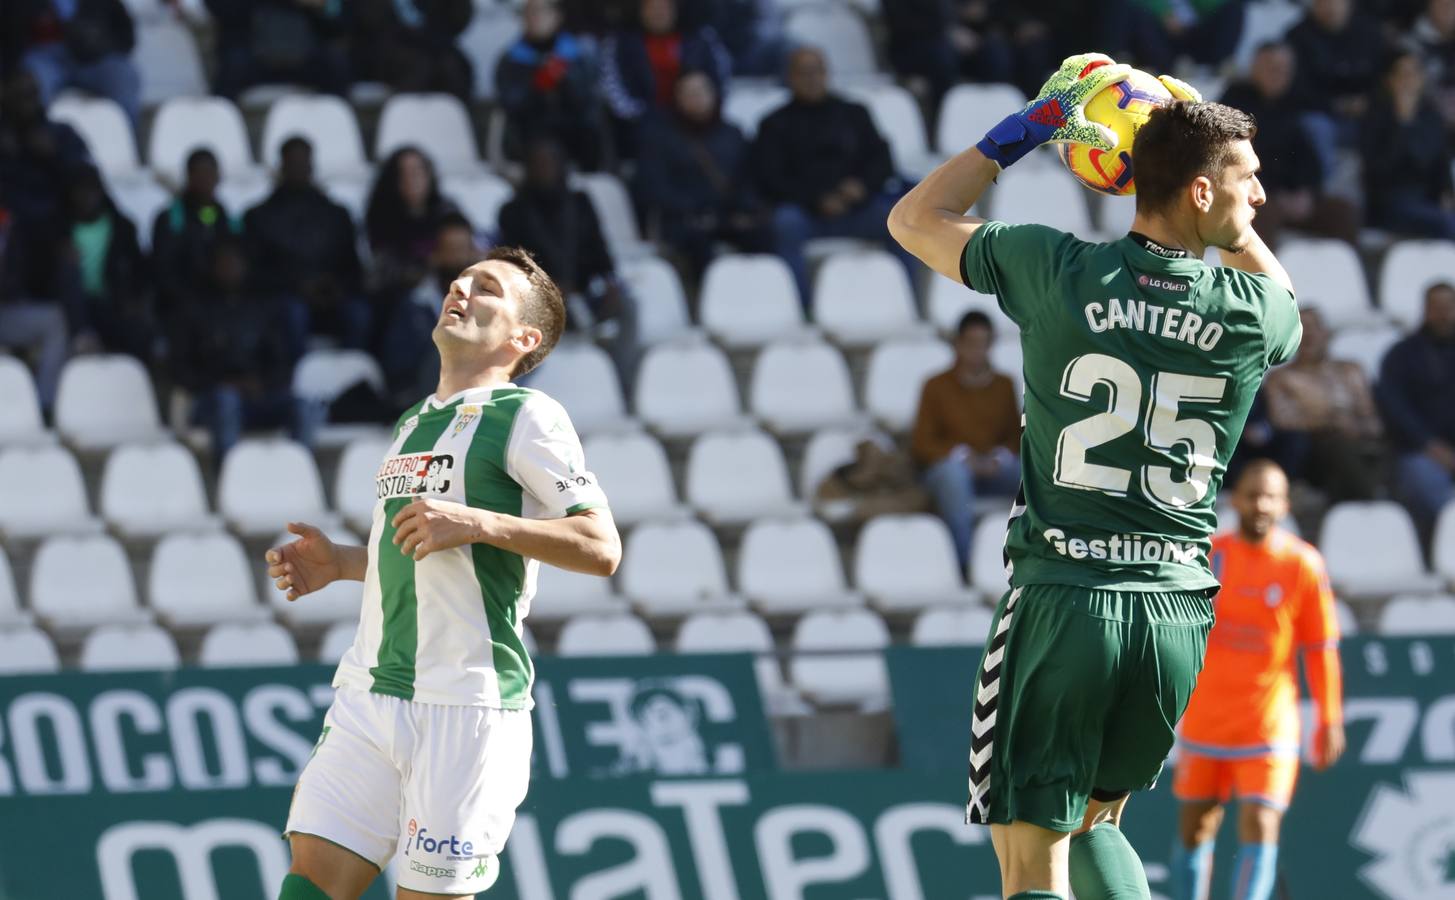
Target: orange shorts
x=1267 y=779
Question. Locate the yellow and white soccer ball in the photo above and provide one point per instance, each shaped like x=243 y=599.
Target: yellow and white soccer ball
x=1123 y=107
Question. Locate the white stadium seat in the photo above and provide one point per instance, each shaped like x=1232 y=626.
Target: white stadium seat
x=1442 y=551
x=1348 y=622
x=116 y=648
x=748 y=300
x=661 y=302
x=838 y=659
x=827 y=449
x=336 y=641
x=618 y=635
x=103 y=125
x=897 y=117
x=614 y=211
x=323 y=375
x=735 y=476
x=354 y=491
x=633 y=470
x=140 y=200
x=748 y=103
x=10 y=611
x=1330 y=278
x=479 y=196
x=202 y=579
x=329 y=125
x=1372 y=550
x=438 y=122
x=743 y=632
x=686 y=387
x=949 y=301
x=167 y=60
x=798 y=386
x=1365 y=346
x=106 y=400
x=268 y=482
x=970 y=110
x=1409 y=268
x=674 y=568
x=864 y=297
x=1416 y=616
x=987 y=556
x=952 y=626
x=561 y=594
x=786 y=567
x=20 y=421
x=184 y=124
x=41 y=492
x=842 y=36
x=338 y=602
x=149 y=489
x=907 y=562
x=897 y=373
x=581 y=376
x=27 y=651
x=1047 y=196
x=491 y=32
x=258 y=644
x=83 y=581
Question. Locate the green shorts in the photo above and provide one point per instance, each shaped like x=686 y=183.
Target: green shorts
x=1078 y=693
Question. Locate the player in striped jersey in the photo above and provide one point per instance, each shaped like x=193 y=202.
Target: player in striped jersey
x=425 y=752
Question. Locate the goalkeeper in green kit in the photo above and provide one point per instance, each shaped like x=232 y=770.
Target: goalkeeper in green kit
x=1140 y=365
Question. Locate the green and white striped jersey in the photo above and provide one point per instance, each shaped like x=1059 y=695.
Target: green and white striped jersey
x=447 y=630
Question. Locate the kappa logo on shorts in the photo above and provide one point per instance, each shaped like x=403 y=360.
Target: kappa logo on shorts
x=414 y=473
x=431 y=871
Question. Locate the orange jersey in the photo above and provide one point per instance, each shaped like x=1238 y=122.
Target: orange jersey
x=1275 y=600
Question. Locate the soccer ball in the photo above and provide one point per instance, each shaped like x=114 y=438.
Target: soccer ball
x=1122 y=107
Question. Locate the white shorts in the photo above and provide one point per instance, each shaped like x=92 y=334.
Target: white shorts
x=435 y=785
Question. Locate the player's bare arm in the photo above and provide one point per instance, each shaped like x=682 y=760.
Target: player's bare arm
x=585 y=542
x=313 y=562
x=930 y=221
x=1255 y=257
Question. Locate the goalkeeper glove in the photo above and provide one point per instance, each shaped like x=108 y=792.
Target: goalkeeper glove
x=1180 y=89
x=1058 y=114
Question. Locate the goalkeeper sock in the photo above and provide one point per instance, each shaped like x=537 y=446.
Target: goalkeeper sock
x=1036 y=895
x=1191 y=870
x=1257 y=869
x=1105 y=867
x=298 y=887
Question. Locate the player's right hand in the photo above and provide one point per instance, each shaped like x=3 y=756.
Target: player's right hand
x=305 y=565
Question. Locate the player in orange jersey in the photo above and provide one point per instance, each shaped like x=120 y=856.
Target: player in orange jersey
x=1240 y=735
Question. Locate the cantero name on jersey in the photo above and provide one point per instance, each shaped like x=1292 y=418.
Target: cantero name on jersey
x=1142 y=315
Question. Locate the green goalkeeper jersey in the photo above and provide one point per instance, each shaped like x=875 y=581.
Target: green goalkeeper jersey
x=1140 y=366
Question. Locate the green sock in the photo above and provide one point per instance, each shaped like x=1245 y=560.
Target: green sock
x=1037 y=895
x=297 y=887
x=1105 y=867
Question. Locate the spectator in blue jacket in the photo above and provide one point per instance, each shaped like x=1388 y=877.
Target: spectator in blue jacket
x=74 y=43
x=1414 y=396
x=546 y=83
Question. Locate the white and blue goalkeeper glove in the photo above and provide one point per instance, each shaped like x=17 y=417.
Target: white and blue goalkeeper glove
x=1058 y=114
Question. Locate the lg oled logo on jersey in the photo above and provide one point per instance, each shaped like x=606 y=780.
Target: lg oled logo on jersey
x=1166 y=284
x=415 y=473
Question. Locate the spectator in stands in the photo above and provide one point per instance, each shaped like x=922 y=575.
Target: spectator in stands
x=1293 y=169
x=546 y=83
x=949 y=41
x=1205 y=31
x=879 y=481
x=410 y=44
x=36 y=152
x=404 y=213
x=751 y=30
x=303 y=246
x=1407 y=182
x=640 y=66
x=1338 y=50
x=693 y=177
x=410 y=370
x=823 y=164
x=111 y=277
x=84 y=44
x=1414 y=394
x=183 y=234
x=1435 y=35
x=32 y=316
x=967 y=432
x=300 y=42
x=1326 y=425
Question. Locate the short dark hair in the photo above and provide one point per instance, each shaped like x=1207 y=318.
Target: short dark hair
x=542 y=307
x=975 y=319
x=1181 y=141
x=295 y=142
x=199 y=156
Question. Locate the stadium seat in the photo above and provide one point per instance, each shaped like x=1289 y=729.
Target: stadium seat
x=268 y=482
x=27 y=651
x=106 y=400
x=338 y=602
x=897 y=117
x=354 y=492
x=323 y=375
x=336 y=641
x=479 y=196
x=970 y=110
x=140 y=200
x=748 y=103
x=1046 y=196
x=436 y=122
x=864 y=297
x=1409 y=268
x=618 y=635
x=1262 y=22
x=897 y=373
x=907 y=562
x=243 y=193
x=748 y=300
x=202 y=579
x=675 y=568
x=184 y=124
x=743 y=632
x=10 y=612
x=115 y=648
x=491 y=32
x=828 y=449
x=838 y=659
x=987 y=556
x=258 y=644
x=167 y=60
x=583 y=379
x=661 y=302
x=149 y=489
x=614 y=211
x=77 y=582
x=41 y=492
x=686 y=387
x=1417 y=616
x=145 y=10
x=952 y=626
x=633 y=471
x=561 y=594
x=1372 y=550
x=949 y=301
x=1330 y=279
x=789 y=566
x=1365 y=346
x=20 y=421
x=842 y=36
x=103 y=125
x=328 y=123
x=734 y=476
x=1442 y=547
x=798 y=386
x=1348 y=622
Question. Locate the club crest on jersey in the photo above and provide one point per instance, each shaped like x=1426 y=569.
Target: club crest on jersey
x=464 y=417
x=414 y=473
